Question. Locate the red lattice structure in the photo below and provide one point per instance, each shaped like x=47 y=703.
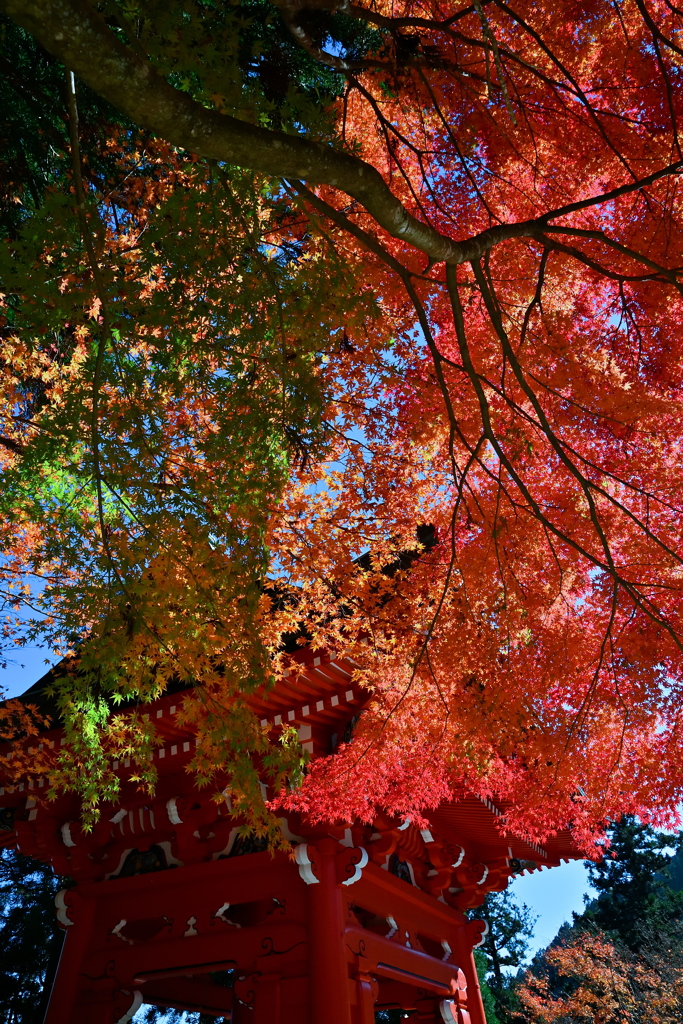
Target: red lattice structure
x=172 y=907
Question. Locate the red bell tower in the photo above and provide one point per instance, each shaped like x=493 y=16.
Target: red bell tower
x=171 y=907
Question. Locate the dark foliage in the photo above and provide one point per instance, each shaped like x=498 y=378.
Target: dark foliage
x=510 y=927
x=30 y=938
x=638 y=884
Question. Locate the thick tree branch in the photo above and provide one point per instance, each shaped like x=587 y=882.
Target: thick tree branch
x=76 y=34
x=80 y=38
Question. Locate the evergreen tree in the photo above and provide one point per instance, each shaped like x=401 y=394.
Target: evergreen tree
x=30 y=938
x=637 y=895
x=487 y=996
x=510 y=926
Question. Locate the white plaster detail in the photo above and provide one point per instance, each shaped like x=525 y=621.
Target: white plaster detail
x=426 y=835
x=62 y=909
x=41 y=783
x=358 y=867
x=264 y=723
x=334 y=700
x=278 y=720
x=291 y=715
x=393 y=926
x=264 y=790
x=173 y=710
x=126 y=763
x=174 y=751
x=348 y=838
x=305 y=710
x=186 y=746
x=117 y=931
x=134 y=1007
x=66 y=834
x=306 y=733
x=349 y=694
x=171 y=860
x=404 y=826
x=448 y=1011
x=319 y=705
x=287 y=832
x=225 y=852
x=484 y=876
x=316 y=662
x=162 y=753
x=220 y=914
x=119 y=816
x=305 y=866
x=446 y=949
x=172 y=811
x=191 y=930
x=32 y=815
x=30 y=802
x=159 y=713
x=458 y=862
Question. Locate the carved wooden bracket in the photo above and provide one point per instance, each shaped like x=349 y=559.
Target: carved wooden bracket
x=305 y=857
x=126 y=1004
x=349 y=863
x=67 y=903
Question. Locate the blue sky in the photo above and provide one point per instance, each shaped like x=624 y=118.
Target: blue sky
x=552 y=895
x=26 y=666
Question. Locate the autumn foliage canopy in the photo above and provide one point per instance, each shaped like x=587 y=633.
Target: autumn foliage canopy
x=300 y=282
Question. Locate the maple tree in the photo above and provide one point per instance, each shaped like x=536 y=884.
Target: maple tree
x=604 y=983
x=356 y=269
x=620 y=960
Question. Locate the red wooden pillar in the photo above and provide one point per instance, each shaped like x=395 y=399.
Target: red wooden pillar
x=475 y=1003
x=62 y=1008
x=366 y=988
x=330 y=996
x=267 y=1008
